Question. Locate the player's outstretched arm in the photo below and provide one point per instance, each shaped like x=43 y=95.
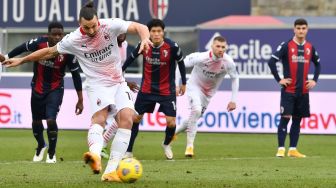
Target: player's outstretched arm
x=43 y=54
x=143 y=32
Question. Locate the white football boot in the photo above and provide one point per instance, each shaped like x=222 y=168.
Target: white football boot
x=38 y=158
x=53 y=160
x=167 y=151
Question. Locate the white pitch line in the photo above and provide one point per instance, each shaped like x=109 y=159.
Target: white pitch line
x=152 y=160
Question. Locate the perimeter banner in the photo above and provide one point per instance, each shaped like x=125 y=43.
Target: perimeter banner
x=38 y=13
x=257 y=112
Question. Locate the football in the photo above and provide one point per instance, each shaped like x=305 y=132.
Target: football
x=129 y=170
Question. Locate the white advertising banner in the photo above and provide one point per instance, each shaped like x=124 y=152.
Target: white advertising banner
x=257 y=112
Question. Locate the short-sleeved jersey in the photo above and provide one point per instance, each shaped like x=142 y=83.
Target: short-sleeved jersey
x=296 y=59
x=98 y=56
x=49 y=74
x=159 y=64
x=208 y=71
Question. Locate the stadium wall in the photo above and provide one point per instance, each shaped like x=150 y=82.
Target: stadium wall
x=257 y=107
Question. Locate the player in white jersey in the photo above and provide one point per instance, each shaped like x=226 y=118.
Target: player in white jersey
x=111 y=125
x=94 y=44
x=209 y=69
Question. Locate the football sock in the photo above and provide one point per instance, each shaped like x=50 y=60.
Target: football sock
x=118 y=149
x=182 y=127
x=110 y=131
x=282 y=131
x=38 y=128
x=95 y=139
x=294 y=131
x=52 y=132
x=170 y=131
x=192 y=127
x=135 y=130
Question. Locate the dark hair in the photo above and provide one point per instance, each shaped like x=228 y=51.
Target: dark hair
x=300 y=21
x=220 y=39
x=88 y=11
x=54 y=25
x=155 y=23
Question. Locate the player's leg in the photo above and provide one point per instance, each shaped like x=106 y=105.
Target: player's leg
x=125 y=111
x=95 y=140
x=198 y=103
x=53 y=103
x=135 y=130
x=301 y=110
x=286 y=110
x=100 y=99
x=109 y=133
x=38 y=113
x=144 y=103
x=168 y=107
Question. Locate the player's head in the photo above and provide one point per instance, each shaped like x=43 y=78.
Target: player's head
x=121 y=38
x=300 y=29
x=156 y=30
x=88 y=19
x=219 y=46
x=55 y=33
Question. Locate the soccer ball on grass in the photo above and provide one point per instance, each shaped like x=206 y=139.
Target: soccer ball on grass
x=129 y=170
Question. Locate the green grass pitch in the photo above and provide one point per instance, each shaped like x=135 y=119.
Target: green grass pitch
x=222 y=160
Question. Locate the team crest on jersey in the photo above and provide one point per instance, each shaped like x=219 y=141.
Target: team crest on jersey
x=98 y=102
x=308 y=51
x=106 y=36
x=293 y=50
x=158 y=8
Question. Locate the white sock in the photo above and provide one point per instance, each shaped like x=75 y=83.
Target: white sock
x=95 y=139
x=192 y=127
x=110 y=131
x=292 y=148
x=182 y=127
x=282 y=148
x=118 y=149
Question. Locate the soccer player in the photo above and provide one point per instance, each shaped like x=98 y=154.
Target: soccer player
x=158 y=82
x=295 y=55
x=111 y=125
x=48 y=88
x=94 y=43
x=209 y=70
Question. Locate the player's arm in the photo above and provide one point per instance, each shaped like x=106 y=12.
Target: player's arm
x=42 y=54
x=31 y=45
x=178 y=56
x=316 y=60
x=142 y=31
x=131 y=57
x=234 y=85
x=272 y=65
x=77 y=81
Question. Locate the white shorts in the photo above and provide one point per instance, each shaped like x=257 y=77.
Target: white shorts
x=117 y=97
x=197 y=99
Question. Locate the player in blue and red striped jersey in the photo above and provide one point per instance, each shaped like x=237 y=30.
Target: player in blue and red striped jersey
x=48 y=88
x=296 y=56
x=158 y=82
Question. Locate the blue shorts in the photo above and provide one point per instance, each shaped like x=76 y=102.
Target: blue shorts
x=146 y=103
x=46 y=106
x=294 y=104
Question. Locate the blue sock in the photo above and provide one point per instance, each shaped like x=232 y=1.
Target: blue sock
x=134 y=134
x=38 y=128
x=52 y=132
x=294 y=132
x=170 y=131
x=282 y=131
